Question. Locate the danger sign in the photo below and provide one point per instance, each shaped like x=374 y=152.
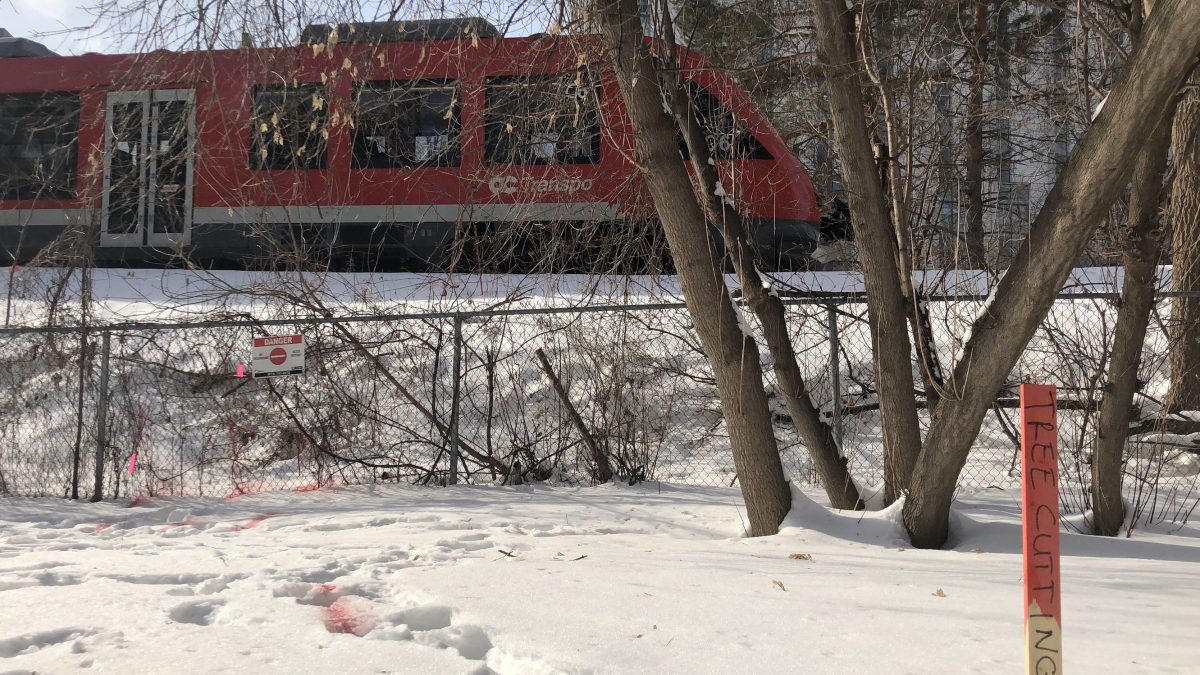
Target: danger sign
x=278 y=356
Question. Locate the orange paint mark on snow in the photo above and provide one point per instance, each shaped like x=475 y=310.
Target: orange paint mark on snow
x=253 y=522
x=190 y=521
x=341 y=617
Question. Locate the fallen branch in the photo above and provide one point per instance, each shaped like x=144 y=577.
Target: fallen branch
x=603 y=472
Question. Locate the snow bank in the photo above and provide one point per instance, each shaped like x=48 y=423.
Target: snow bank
x=645 y=579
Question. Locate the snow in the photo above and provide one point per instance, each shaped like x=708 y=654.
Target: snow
x=1099 y=107
x=184 y=295
x=652 y=578
x=980 y=314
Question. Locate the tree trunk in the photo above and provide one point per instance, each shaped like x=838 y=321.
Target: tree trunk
x=897 y=189
x=817 y=435
x=886 y=309
x=1185 y=251
x=1094 y=176
x=973 y=152
x=732 y=353
x=1141 y=250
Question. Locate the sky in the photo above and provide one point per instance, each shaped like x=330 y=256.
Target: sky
x=61 y=25
x=65 y=26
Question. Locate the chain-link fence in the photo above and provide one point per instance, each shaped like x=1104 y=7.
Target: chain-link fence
x=140 y=409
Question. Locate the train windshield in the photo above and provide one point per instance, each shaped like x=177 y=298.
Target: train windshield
x=725 y=135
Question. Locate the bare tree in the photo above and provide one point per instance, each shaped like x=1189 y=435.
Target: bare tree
x=1185 y=250
x=1093 y=178
x=877 y=243
x=767 y=307
x=731 y=350
x=979 y=53
x=1141 y=249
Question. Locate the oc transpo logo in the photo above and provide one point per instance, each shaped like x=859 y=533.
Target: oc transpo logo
x=507 y=185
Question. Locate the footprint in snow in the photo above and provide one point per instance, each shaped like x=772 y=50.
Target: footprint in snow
x=343 y=609
x=349 y=609
x=197 y=612
x=434 y=626
x=10 y=582
x=468 y=542
x=35 y=642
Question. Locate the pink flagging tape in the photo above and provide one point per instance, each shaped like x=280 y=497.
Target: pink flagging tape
x=132 y=463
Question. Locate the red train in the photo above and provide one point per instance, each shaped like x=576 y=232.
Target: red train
x=389 y=144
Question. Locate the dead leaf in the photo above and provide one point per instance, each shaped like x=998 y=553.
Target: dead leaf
x=939 y=593
x=800 y=556
x=977 y=550
x=778 y=584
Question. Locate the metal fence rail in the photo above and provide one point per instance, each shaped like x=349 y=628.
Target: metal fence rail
x=450 y=397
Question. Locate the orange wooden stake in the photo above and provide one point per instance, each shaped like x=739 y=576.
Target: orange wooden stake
x=1039 y=529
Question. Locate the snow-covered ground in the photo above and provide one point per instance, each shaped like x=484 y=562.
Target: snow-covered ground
x=652 y=578
x=157 y=296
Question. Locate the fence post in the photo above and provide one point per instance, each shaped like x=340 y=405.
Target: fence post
x=102 y=416
x=456 y=390
x=835 y=374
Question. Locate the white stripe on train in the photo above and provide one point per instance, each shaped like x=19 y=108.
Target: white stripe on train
x=408 y=213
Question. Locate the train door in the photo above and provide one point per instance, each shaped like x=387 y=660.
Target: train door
x=149 y=138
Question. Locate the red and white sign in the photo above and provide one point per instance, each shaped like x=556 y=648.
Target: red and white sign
x=278 y=356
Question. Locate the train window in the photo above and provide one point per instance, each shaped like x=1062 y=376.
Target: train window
x=289 y=127
x=542 y=120
x=39 y=141
x=405 y=124
x=726 y=138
